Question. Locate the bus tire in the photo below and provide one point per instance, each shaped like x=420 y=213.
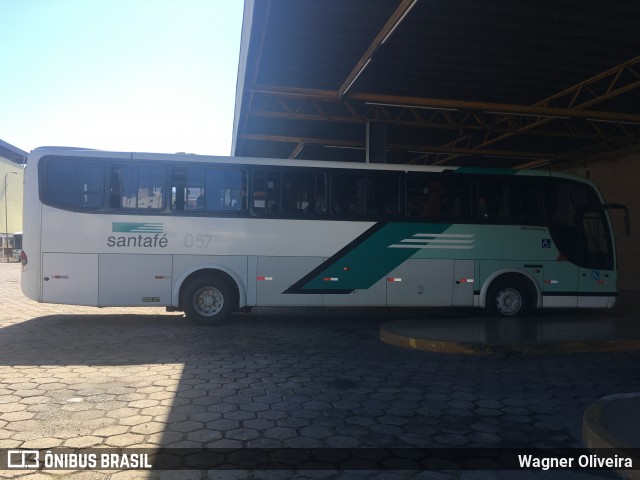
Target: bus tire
x=509 y=296
x=208 y=300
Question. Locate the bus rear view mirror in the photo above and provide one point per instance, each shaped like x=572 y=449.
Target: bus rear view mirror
x=619 y=206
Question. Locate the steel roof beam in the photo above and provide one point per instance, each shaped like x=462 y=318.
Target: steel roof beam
x=318 y=109
x=296 y=151
x=618 y=80
x=548 y=112
x=421 y=149
x=552 y=116
x=387 y=30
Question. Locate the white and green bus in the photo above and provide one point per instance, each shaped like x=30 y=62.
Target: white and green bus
x=213 y=235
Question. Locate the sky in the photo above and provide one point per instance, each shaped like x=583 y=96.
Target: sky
x=124 y=75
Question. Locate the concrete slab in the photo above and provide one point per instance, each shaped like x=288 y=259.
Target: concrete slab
x=538 y=334
x=612 y=423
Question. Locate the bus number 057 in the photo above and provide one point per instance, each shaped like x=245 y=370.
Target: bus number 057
x=197 y=241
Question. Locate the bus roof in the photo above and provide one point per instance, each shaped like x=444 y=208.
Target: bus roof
x=40 y=152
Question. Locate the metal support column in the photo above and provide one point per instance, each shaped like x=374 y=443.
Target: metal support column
x=376 y=142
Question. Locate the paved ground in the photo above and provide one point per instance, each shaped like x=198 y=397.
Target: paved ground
x=87 y=377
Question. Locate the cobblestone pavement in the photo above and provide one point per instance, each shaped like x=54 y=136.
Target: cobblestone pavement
x=87 y=377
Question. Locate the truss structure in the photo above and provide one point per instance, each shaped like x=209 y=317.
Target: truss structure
x=471 y=128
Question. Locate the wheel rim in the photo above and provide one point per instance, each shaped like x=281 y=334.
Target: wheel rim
x=508 y=301
x=208 y=301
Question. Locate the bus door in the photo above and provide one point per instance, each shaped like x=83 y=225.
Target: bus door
x=579 y=230
x=560 y=283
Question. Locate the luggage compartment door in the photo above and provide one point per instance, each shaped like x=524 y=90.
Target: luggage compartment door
x=70 y=278
x=135 y=280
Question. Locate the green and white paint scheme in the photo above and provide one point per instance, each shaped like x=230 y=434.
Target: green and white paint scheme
x=111 y=258
x=491 y=249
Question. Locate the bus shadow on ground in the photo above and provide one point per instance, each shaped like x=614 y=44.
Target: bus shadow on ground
x=122 y=339
x=134 y=339
x=304 y=378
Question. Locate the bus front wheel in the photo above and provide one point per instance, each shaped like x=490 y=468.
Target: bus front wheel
x=208 y=300
x=509 y=296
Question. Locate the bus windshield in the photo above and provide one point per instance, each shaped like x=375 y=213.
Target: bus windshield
x=578 y=224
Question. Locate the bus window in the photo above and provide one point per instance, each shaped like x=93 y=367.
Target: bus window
x=195 y=197
x=524 y=203
x=267 y=192
x=423 y=196
x=224 y=190
x=179 y=188
x=508 y=200
x=383 y=196
x=140 y=187
x=493 y=199
x=207 y=189
x=348 y=194
x=321 y=194
x=303 y=193
x=456 y=199
x=74 y=184
x=187 y=188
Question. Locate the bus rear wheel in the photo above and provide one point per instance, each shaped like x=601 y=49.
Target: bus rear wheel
x=208 y=300
x=509 y=296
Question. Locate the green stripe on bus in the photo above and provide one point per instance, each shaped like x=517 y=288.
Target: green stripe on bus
x=370 y=260
x=130 y=227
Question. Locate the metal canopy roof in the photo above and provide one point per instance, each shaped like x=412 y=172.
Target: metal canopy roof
x=13 y=154
x=491 y=83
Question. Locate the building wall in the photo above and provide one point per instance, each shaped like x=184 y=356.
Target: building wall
x=13 y=196
x=619 y=182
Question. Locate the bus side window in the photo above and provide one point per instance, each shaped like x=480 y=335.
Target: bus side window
x=266 y=192
x=178 y=188
x=75 y=184
x=524 y=205
x=423 y=196
x=383 y=196
x=187 y=188
x=456 y=199
x=509 y=200
x=202 y=189
x=114 y=188
x=493 y=202
x=304 y=193
x=321 y=194
x=195 y=193
x=348 y=194
x=223 y=190
x=141 y=186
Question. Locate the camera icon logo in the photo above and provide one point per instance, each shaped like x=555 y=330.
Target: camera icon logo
x=23 y=458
